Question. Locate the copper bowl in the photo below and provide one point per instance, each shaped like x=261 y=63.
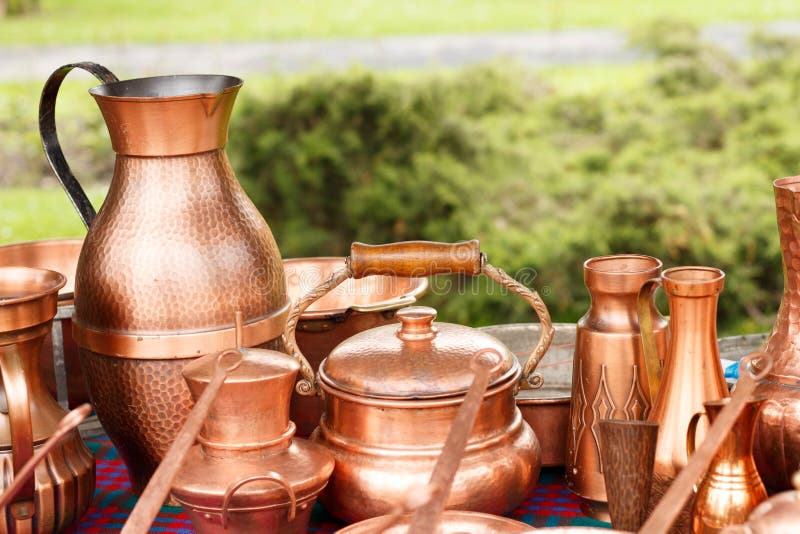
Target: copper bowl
x=356 y=305
x=453 y=522
x=547 y=409
x=59 y=255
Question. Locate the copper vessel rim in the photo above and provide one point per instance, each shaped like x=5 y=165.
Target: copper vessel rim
x=452 y=399
x=720 y=275
x=629 y=422
x=56 y=282
x=589 y=264
x=275 y=505
x=543 y=401
x=786 y=183
x=234 y=84
x=719 y=403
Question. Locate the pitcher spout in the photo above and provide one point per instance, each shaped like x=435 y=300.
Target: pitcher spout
x=168 y=115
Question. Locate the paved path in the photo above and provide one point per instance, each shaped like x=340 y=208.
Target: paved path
x=540 y=48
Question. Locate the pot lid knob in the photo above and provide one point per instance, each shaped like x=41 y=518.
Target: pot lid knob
x=416 y=323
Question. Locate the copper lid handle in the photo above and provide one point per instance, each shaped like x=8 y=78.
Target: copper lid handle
x=649 y=349
x=47 y=130
x=671 y=504
x=22 y=477
x=419 y=258
x=271 y=476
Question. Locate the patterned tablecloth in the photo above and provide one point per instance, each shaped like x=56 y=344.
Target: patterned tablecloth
x=550 y=504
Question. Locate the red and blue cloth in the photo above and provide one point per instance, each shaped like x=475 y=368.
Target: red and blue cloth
x=550 y=504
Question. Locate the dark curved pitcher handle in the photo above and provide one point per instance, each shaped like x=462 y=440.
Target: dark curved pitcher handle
x=52 y=148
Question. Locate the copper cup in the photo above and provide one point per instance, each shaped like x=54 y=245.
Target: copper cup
x=628 y=450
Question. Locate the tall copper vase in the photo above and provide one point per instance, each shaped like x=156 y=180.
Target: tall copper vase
x=176 y=249
x=777 y=443
x=62 y=486
x=692 y=372
x=609 y=373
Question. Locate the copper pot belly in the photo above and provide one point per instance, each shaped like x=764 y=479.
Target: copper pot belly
x=384 y=448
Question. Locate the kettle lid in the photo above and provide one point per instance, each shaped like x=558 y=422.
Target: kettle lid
x=419 y=360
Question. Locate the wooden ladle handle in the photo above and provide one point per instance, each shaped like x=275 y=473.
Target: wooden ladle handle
x=415 y=259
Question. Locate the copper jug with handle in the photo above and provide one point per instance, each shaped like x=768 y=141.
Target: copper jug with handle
x=175 y=250
x=62 y=486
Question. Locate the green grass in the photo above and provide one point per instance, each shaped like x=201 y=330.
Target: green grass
x=101 y=21
x=27 y=214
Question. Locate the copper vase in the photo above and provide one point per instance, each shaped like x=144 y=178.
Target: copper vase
x=731 y=488
x=692 y=372
x=176 y=249
x=609 y=373
x=62 y=486
x=777 y=442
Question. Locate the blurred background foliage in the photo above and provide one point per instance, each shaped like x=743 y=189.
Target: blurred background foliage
x=677 y=164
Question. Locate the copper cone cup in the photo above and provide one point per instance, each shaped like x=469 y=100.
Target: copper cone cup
x=628 y=449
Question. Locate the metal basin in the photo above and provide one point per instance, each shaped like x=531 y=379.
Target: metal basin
x=354 y=306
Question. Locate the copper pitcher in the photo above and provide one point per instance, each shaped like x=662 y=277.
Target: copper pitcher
x=692 y=372
x=731 y=488
x=391 y=394
x=62 y=486
x=175 y=250
x=777 y=442
x=609 y=378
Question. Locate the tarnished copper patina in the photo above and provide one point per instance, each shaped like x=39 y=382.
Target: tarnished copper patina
x=731 y=488
x=391 y=395
x=353 y=307
x=692 y=372
x=60 y=255
x=62 y=486
x=609 y=373
x=175 y=250
x=777 y=442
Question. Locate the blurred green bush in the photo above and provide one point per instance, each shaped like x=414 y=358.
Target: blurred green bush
x=679 y=168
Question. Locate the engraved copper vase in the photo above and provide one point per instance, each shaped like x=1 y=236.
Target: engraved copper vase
x=692 y=372
x=63 y=485
x=391 y=394
x=731 y=488
x=777 y=442
x=609 y=372
x=247 y=473
x=176 y=249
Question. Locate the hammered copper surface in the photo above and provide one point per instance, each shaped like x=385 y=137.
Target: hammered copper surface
x=777 y=442
x=62 y=487
x=355 y=306
x=453 y=522
x=609 y=372
x=692 y=373
x=731 y=488
x=780 y=514
x=59 y=255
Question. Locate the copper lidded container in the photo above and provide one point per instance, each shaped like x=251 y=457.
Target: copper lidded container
x=247 y=473
x=353 y=307
x=391 y=395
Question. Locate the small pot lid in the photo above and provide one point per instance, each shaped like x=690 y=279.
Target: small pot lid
x=419 y=360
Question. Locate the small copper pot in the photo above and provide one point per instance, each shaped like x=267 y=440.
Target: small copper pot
x=354 y=306
x=391 y=395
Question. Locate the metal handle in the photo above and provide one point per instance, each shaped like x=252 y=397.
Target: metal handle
x=691 y=433
x=419 y=258
x=67 y=424
x=271 y=476
x=12 y=369
x=47 y=130
x=649 y=348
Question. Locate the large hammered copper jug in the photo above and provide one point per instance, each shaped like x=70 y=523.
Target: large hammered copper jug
x=609 y=379
x=62 y=486
x=777 y=443
x=176 y=249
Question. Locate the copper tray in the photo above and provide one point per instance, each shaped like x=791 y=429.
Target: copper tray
x=547 y=409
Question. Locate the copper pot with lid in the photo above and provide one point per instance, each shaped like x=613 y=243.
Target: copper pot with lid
x=391 y=394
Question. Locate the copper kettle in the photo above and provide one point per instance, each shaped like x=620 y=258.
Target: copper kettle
x=176 y=249
x=391 y=394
